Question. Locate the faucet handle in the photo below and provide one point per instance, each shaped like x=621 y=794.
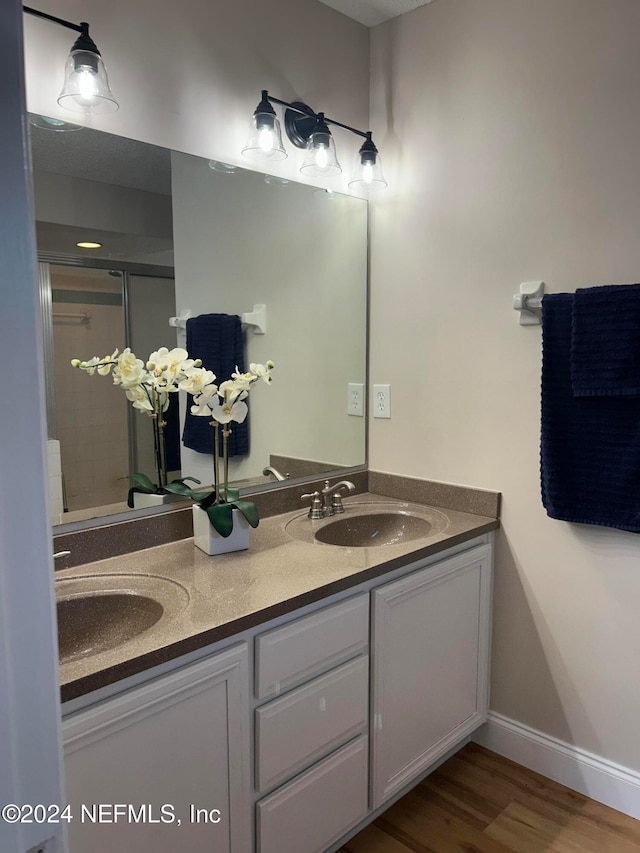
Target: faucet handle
x=336 y=507
x=317 y=509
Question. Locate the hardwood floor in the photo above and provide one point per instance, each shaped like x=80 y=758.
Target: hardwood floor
x=479 y=802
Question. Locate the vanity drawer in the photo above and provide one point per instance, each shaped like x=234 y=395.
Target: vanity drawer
x=305 y=648
x=314 y=810
x=295 y=731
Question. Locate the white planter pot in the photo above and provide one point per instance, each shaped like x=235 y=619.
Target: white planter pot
x=140 y=500
x=207 y=538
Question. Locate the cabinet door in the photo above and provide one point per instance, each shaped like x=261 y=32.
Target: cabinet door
x=164 y=767
x=431 y=633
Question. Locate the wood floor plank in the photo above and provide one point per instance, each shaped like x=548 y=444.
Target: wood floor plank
x=373 y=839
x=526 y=831
x=423 y=826
x=479 y=802
x=617 y=823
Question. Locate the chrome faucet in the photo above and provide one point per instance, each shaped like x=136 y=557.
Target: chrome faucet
x=271 y=470
x=329 y=501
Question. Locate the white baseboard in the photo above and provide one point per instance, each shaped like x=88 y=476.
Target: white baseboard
x=602 y=780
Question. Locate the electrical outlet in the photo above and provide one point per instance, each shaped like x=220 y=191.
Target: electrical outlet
x=355 y=399
x=382 y=401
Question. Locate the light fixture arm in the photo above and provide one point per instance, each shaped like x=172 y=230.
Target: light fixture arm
x=302 y=109
x=83 y=42
x=79 y=28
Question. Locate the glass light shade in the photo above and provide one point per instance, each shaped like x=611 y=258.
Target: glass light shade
x=265 y=139
x=86 y=86
x=320 y=159
x=367 y=175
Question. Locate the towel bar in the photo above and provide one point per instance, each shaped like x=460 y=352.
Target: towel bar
x=68 y=315
x=529 y=303
x=256 y=319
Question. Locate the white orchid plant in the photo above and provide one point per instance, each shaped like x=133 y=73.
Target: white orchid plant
x=149 y=385
x=225 y=404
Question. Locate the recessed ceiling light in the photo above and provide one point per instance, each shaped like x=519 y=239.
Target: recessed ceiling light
x=86 y=244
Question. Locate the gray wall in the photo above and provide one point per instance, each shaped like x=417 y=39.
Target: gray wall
x=510 y=131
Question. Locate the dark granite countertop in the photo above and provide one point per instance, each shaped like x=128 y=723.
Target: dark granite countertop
x=218 y=597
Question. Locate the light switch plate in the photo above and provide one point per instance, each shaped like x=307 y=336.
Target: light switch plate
x=355 y=399
x=382 y=401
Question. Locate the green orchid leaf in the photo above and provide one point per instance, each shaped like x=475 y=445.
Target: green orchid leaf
x=143 y=483
x=179 y=486
x=232 y=494
x=203 y=499
x=249 y=510
x=221 y=518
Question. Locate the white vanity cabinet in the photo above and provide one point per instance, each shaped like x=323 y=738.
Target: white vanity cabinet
x=353 y=700
x=180 y=742
x=431 y=645
x=311 y=744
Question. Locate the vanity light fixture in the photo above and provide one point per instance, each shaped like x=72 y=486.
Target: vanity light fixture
x=86 y=87
x=310 y=130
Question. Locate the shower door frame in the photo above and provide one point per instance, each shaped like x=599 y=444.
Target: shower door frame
x=126 y=270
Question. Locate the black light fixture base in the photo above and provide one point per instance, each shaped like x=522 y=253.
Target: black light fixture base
x=299 y=123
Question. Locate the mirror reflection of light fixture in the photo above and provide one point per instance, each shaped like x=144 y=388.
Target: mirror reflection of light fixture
x=310 y=130
x=86 y=86
x=275 y=179
x=54 y=124
x=225 y=168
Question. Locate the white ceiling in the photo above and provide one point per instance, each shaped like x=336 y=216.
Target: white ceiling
x=372 y=12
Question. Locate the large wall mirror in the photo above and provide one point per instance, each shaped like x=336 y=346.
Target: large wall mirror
x=180 y=234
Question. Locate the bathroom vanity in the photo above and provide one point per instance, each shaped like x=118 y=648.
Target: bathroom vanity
x=301 y=689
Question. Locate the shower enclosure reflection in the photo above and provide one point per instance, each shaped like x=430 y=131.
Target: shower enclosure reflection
x=98 y=436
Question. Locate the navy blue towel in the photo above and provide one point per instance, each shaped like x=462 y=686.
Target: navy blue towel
x=590 y=446
x=605 y=350
x=217 y=340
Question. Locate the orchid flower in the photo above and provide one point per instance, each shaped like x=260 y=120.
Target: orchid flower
x=224 y=412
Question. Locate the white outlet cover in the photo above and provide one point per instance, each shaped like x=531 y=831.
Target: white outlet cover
x=355 y=399
x=381 y=401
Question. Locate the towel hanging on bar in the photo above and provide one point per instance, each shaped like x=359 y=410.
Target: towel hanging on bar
x=217 y=340
x=605 y=341
x=590 y=446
